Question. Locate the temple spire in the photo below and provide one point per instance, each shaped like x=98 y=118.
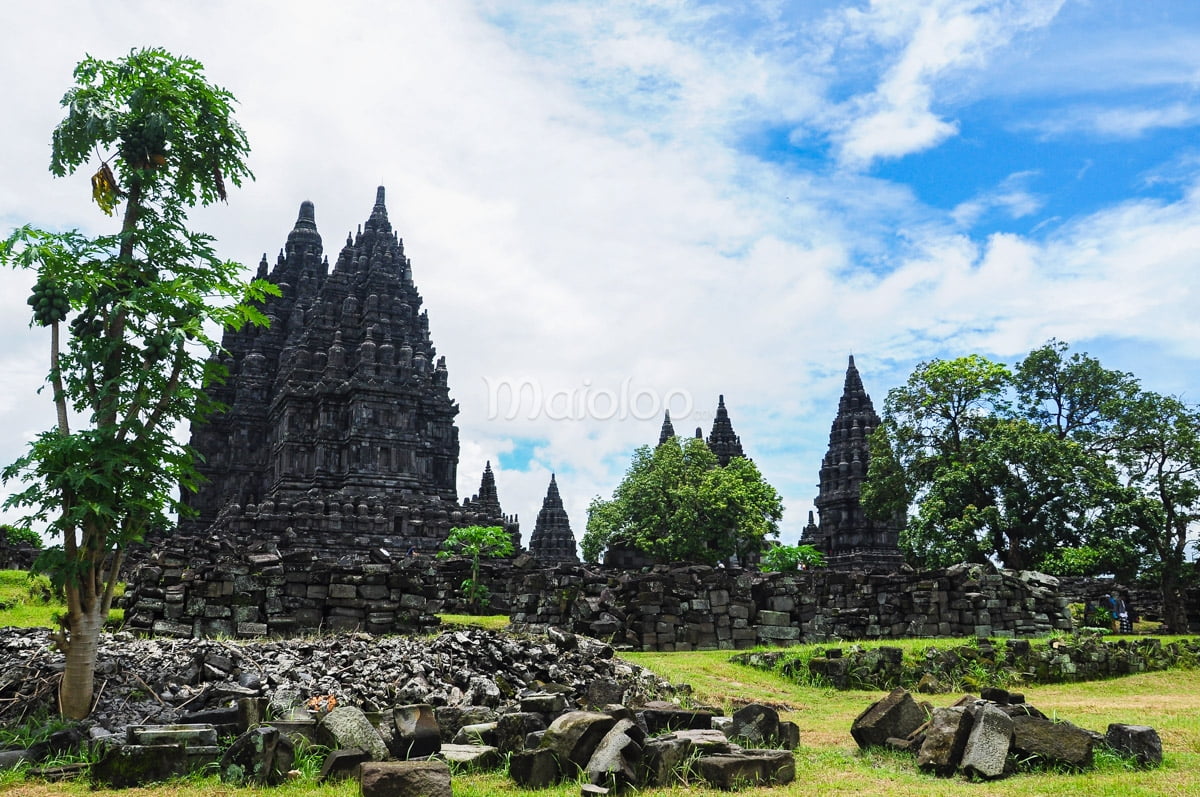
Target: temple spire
x=552 y=540
x=668 y=431
x=722 y=441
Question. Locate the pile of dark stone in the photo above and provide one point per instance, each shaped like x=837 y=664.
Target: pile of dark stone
x=166 y=681
x=986 y=737
x=399 y=714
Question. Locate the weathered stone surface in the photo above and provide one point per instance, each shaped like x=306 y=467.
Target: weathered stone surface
x=342 y=764
x=347 y=726
x=662 y=758
x=789 y=735
x=659 y=716
x=544 y=702
x=1052 y=742
x=895 y=715
x=1140 y=741
x=513 y=729
x=748 y=768
x=405 y=779
x=573 y=737
x=473 y=757
x=945 y=740
x=534 y=769
x=615 y=761
x=251 y=758
x=754 y=725
x=451 y=719
x=708 y=742
x=186 y=735
x=480 y=733
x=988 y=744
x=136 y=765
x=416 y=731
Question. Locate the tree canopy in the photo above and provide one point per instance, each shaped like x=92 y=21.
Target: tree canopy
x=136 y=357
x=676 y=504
x=1058 y=464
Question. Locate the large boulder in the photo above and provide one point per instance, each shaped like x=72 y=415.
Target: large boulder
x=405 y=779
x=1052 y=742
x=987 y=746
x=896 y=715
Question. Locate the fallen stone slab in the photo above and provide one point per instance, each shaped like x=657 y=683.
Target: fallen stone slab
x=1052 y=742
x=405 y=779
x=748 y=768
x=659 y=717
x=663 y=758
x=471 y=757
x=987 y=746
x=478 y=733
x=127 y=765
x=348 y=726
x=342 y=765
x=896 y=715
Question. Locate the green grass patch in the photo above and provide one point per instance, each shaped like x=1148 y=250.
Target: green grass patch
x=492 y=622
x=27 y=602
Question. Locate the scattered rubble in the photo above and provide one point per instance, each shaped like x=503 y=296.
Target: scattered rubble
x=985 y=737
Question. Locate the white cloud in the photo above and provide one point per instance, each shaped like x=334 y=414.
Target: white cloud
x=566 y=227
x=935 y=41
x=1115 y=122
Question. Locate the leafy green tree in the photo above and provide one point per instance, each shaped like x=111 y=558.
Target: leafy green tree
x=21 y=535
x=786 y=558
x=676 y=504
x=133 y=364
x=476 y=542
x=1003 y=463
x=1159 y=455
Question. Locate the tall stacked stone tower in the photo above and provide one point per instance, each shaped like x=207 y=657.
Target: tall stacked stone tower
x=845 y=535
x=340 y=427
x=721 y=440
x=552 y=541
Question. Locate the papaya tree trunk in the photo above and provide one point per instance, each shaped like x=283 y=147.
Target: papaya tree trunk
x=84 y=623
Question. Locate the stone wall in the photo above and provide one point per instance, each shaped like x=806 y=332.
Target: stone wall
x=209 y=588
x=1147 y=601
x=703 y=608
x=16 y=556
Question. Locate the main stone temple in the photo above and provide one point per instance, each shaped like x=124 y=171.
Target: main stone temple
x=848 y=538
x=339 y=433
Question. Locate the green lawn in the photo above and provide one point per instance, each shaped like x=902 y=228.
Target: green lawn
x=18 y=607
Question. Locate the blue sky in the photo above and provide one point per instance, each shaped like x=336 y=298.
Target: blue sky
x=631 y=205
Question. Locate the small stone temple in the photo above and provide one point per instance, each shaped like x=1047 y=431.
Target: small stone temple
x=847 y=537
x=552 y=541
x=340 y=430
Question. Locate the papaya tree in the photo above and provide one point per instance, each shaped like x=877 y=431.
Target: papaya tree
x=144 y=301
x=475 y=543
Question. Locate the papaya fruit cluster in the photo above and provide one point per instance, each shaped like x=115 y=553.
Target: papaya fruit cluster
x=49 y=301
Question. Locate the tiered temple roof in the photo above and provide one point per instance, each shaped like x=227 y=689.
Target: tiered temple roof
x=552 y=541
x=721 y=440
x=339 y=413
x=847 y=537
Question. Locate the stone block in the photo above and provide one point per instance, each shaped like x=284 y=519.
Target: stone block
x=945 y=739
x=347 y=726
x=1052 y=742
x=748 y=768
x=405 y=779
x=1140 y=741
x=533 y=769
x=988 y=743
x=123 y=766
x=471 y=757
x=895 y=715
x=573 y=737
x=416 y=731
x=342 y=765
x=754 y=725
x=616 y=761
